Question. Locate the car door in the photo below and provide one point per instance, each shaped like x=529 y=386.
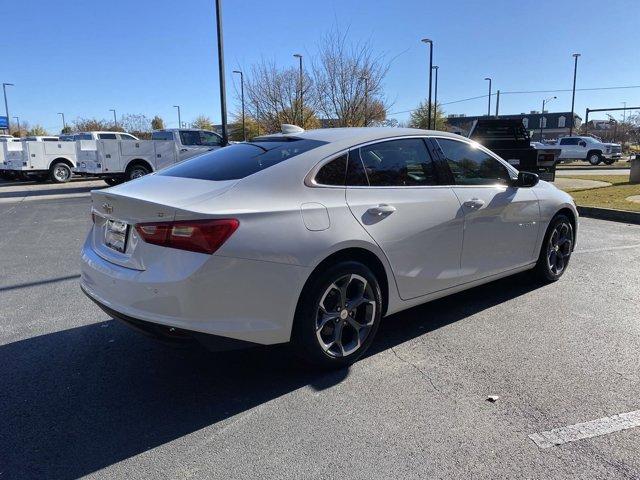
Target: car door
x=501 y=221
x=394 y=191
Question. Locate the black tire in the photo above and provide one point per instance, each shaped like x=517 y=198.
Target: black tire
x=136 y=171
x=112 y=182
x=311 y=326
x=594 y=158
x=555 y=254
x=60 y=172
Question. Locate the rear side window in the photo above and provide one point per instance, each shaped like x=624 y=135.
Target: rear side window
x=107 y=136
x=472 y=166
x=333 y=173
x=398 y=163
x=162 y=136
x=569 y=141
x=190 y=137
x=240 y=160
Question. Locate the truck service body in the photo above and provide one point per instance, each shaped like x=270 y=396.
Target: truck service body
x=118 y=160
x=41 y=157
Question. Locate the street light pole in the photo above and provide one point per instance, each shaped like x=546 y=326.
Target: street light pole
x=545 y=101
x=19 y=129
x=6 y=105
x=223 y=94
x=244 y=131
x=299 y=57
x=624 y=113
x=430 y=42
x=179 y=118
x=115 y=121
x=573 y=94
x=489 y=104
x=64 y=124
x=435 y=99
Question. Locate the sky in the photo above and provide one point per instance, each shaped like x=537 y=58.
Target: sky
x=144 y=56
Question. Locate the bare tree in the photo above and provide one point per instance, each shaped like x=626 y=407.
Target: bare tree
x=272 y=96
x=348 y=81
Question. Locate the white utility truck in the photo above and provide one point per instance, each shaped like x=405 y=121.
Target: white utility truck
x=41 y=158
x=590 y=149
x=4 y=173
x=117 y=161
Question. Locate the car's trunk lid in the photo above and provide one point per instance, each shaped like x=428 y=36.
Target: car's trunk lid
x=153 y=198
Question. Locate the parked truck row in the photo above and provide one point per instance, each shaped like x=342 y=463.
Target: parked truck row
x=114 y=156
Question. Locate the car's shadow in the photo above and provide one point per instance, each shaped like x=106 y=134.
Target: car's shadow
x=78 y=400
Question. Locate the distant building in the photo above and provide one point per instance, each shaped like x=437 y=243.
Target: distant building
x=554 y=125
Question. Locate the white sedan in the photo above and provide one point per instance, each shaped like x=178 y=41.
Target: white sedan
x=313 y=237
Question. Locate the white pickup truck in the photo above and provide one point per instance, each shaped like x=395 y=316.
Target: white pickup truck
x=590 y=149
x=41 y=158
x=117 y=161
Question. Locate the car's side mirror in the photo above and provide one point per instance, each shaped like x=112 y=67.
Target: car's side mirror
x=526 y=180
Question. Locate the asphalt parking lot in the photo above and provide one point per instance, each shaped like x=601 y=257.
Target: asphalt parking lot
x=82 y=395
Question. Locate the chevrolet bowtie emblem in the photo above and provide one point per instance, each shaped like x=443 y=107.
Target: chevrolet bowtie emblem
x=107 y=207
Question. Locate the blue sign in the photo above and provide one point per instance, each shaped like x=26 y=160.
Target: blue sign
x=4 y=122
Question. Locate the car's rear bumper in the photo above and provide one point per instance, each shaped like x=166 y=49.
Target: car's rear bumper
x=248 y=300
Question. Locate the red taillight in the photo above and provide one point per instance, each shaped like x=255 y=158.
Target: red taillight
x=204 y=236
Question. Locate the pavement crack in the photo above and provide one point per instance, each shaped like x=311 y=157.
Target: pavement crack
x=424 y=374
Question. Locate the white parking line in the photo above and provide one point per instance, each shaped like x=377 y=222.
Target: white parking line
x=580 y=431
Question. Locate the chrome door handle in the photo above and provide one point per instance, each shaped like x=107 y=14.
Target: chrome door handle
x=382 y=209
x=474 y=203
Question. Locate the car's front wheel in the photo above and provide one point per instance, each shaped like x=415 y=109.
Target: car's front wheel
x=556 y=249
x=338 y=314
x=594 y=158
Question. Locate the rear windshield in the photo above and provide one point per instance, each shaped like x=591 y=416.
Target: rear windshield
x=241 y=160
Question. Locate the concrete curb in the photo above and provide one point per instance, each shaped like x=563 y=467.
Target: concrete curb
x=610 y=214
x=599 y=167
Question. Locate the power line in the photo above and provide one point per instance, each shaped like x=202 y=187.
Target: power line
x=525 y=92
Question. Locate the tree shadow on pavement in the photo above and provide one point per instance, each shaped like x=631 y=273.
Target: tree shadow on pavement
x=76 y=401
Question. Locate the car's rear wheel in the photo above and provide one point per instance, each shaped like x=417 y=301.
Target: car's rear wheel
x=338 y=314
x=60 y=172
x=137 y=171
x=556 y=249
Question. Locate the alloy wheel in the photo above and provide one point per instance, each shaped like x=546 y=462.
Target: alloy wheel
x=559 y=248
x=137 y=173
x=345 y=316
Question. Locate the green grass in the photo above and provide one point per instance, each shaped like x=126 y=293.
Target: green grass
x=607 y=197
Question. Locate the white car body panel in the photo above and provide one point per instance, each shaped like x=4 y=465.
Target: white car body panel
x=249 y=288
x=38 y=155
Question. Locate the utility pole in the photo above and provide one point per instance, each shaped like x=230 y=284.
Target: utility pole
x=299 y=57
x=489 y=104
x=19 y=129
x=430 y=42
x=497 y=102
x=64 y=124
x=115 y=120
x=6 y=105
x=573 y=94
x=223 y=94
x=244 y=130
x=545 y=101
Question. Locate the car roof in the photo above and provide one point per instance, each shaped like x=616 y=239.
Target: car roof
x=357 y=135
